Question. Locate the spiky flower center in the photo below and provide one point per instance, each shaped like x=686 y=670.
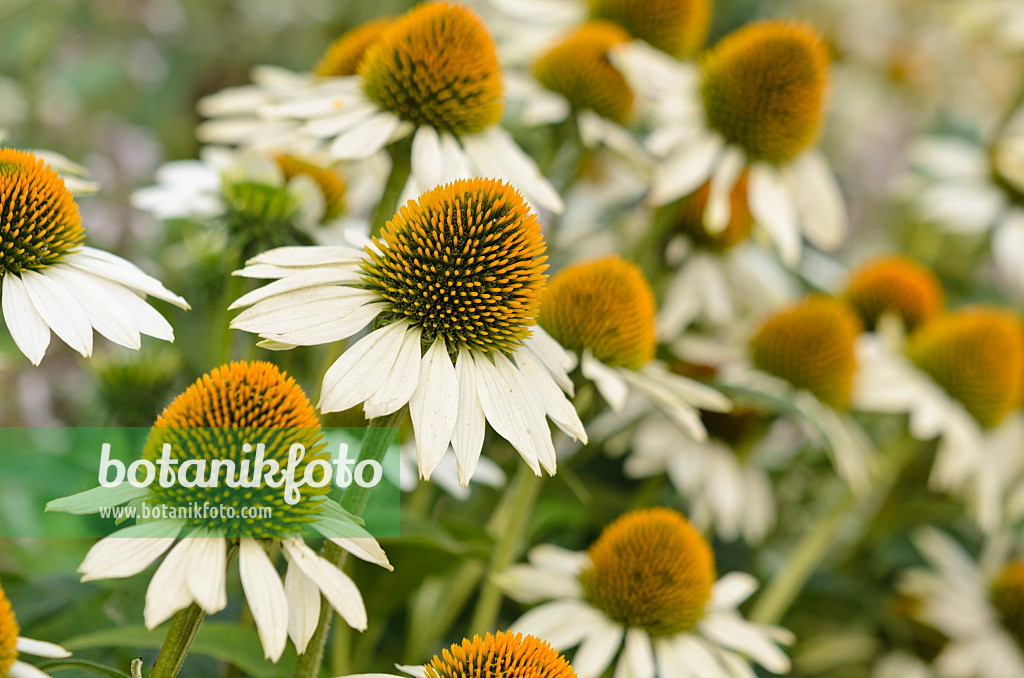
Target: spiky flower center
x=651 y=569
x=977 y=356
x=436 y=66
x=8 y=635
x=343 y=56
x=606 y=306
x=502 y=655
x=578 y=68
x=214 y=418
x=1007 y=596
x=689 y=218
x=260 y=215
x=331 y=184
x=39 y=220
x=678 y=27
x=810 y=345
x=895 y=285
x=464 y=261
x=764 y=89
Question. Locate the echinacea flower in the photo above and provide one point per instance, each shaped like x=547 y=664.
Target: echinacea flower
x=958 y=378
x=432 y=74
x=647 y=587
x=262 y=200
x=51 y=281
x=976 y=605
x=603 y=311
x=802 y=358
x=501 y=655
x=896 y=286
x=721 y=276
x=459 y=272
x=199 y=422
x=12 y=645
x=755 y=105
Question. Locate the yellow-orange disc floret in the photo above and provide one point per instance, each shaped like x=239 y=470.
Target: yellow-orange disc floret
x=214 y=418
x=331 y=184
x=606 y=306
x=8 y=635
x=689 y=218
x=436 y=66
x=764 y=89
x=39 y=220
x=578 y=68
x=811 y=345
x=502 y=655
x=651 y=569
x=977 y=356
x=896 y=285
x=343 y=56
x=465 y=261
x=1007 y=596
x=678 y=27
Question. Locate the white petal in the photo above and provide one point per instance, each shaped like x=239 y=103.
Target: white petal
x=732 y=589
x=335 y=329
x=610 y=384
x=207 y=572
x=336 y=586
x=729 y=630
x=719 y=205
x=303 y=606
x=685 y=171
x=28 y=329
x=427 y=158
x=638 y=658
x=266 y=597
x=555 y=404
x=101 y=310
x=301 y=309
x=366 y=138
x=495 y=153
x=434 y=407
x=301 y=280
x=40 y=648
x=296 y=256
x=597 y=651
x=121 y=555
x=468 y=436
x=22 y=670
x=822 y=210
x=168 y=591
x=400 y=384
x=556 y=359
x=364 y=548
x=61 y=311
x=113 y=267
x=772 y=208
x=361 y=370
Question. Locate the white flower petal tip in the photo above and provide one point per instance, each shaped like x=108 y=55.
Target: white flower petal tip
x=41 y=648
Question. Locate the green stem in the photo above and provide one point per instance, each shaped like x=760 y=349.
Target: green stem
x=508 y=527
x=375 y=445
x=401 y=168
x=178 y=641
x=845 y=520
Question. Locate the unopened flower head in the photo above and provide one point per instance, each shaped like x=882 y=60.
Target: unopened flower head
x=502 y=655
x=39 y=220
x=651 y=569
x=678 y=27
x=689 y=218
x=764 y=89
x=811 y=345
x=578 y=68
x=1008 y=598
x=895 y=285
x=344 y=56
x=464 y=262
x=436 y=66
x=977 y=356
x=606 y=306
x=265 y=402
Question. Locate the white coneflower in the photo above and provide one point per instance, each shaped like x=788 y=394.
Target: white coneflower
x=199 y=423
x=755 y=104
x=51 y=281
x=647 y=587
x=460 y=272
x=603 y=310
x=12 y=645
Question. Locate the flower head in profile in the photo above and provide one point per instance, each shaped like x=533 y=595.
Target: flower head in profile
x=210 y=420
x=896 y=286
x=452 y=285
x=603 y=310
x=754 y=107
x=13 y=645
x=432 y=74
x=51 y=281
x=648 y=587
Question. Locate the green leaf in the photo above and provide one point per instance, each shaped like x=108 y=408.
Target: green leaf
x=92 y=500
x=82 y=665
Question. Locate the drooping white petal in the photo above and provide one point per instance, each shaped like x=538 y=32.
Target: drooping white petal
x=61 y=311
x=494 y=153
x=772 y=207
x=819 y=200
x=100 y=309
x=555 y=404
x=434 y=407
x=468 y=436
x=335 y=329
x=336 y=586
x=731 y=631
x=168 y=589
x=28 y=329
x=40 y=648
x=207 y=572
x=119 y=270
x=637 y=659
x=609 y=382
x=20 y=669
x=597 y=650
x=124 y=555
x=731 y=590
x=427 y=158
x=303 y=606
x=558 y=361
x=719 y=206
x=366 y=138
x=301 y=309
x=361 y=370
x=400 y=384
x=364 y=548
x=266 y=597
x=686 y=170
